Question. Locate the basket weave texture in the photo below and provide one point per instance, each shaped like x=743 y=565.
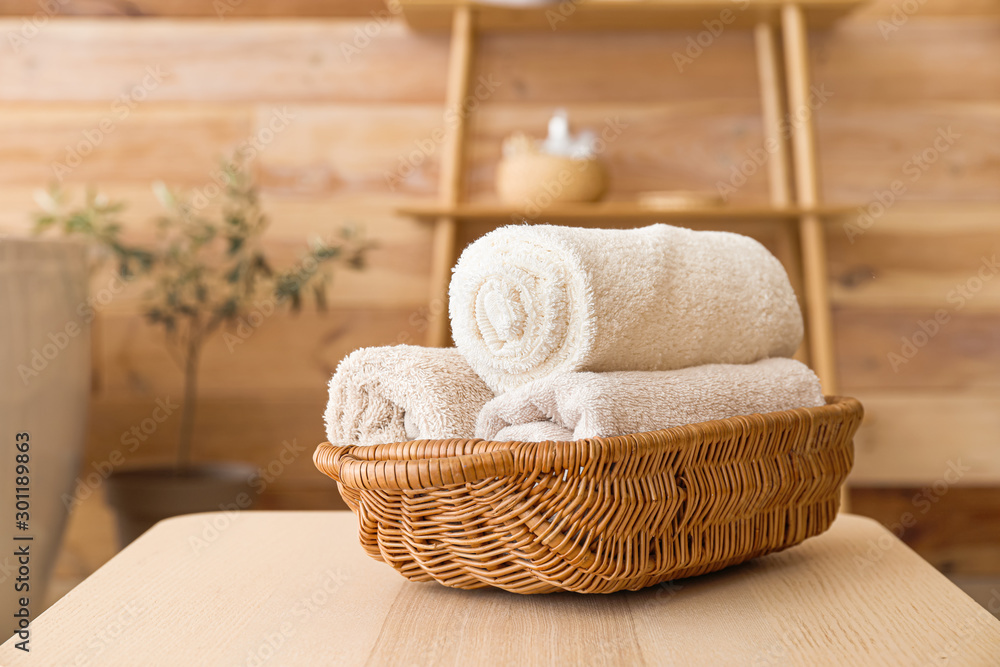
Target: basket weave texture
x=602 y=514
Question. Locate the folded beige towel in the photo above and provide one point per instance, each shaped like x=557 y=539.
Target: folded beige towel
x=527 y=301
x=393 y=394
x=588 y=405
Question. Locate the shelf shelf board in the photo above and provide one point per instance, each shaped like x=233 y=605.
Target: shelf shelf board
x=626 y=211
x=618 y=14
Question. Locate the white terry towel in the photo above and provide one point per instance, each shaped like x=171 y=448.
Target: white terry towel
x=588 y=405
x=381 y=395
x=527 y=301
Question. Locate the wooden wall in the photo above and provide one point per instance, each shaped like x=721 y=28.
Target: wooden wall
x=357 y=115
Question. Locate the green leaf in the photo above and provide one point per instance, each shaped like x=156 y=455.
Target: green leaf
x=228 y=309
x=233 y=275
x=261 y=263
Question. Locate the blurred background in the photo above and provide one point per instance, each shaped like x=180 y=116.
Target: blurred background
x=343 y=103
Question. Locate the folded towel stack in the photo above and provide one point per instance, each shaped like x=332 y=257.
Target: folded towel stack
x=567 y=333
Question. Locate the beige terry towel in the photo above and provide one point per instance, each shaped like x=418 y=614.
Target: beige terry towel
x=527 y=301
x=587 y=405
x=381 y=395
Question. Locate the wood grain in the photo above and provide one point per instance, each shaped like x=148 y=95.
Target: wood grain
x=955 y=530
x=917 y=256
x=233 y=60
x=186 y=8
x=924 y=61
x=928 y=60
x=385 y=151
x=565 y=68
x=937 y=10
x=300 y=581
x=932 y=58
x=889 y=140
x=110 y=142
x=914 y=437
x=317 y=149
x=877 y=349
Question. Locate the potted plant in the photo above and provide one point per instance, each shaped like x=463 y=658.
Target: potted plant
x=202 y=275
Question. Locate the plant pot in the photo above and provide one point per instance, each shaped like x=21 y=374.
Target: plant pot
x=141 y=497
x=44 y=393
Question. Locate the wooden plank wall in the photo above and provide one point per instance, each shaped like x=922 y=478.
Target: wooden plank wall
x=363 y=109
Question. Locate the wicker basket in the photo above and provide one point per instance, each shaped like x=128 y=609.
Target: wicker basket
x=598 y=515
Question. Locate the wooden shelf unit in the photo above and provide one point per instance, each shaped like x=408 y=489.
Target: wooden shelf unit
x=781 y=49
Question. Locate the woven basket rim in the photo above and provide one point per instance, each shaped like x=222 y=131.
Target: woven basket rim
x=421 y=464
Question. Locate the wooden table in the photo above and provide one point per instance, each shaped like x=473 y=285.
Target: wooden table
x=295 y=588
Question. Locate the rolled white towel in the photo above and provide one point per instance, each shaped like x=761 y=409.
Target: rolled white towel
x=527 y=301
x=589 y=405
x=381 y=395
